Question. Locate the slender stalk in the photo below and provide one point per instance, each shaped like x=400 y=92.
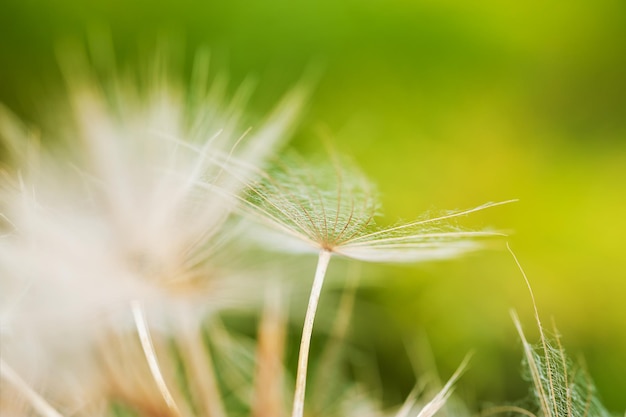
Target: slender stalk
x=305 y=342
x=150 y=354
x=199 y=362
x=333 y=350
x=268 y=401
x=442 y=396
x=538 y=381
x=35 y=400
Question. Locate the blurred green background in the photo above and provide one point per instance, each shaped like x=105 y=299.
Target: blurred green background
x=445 y=104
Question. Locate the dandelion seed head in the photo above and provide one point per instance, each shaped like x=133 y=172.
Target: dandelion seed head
x=325 y=206
x=333 y=208
x=123 y=198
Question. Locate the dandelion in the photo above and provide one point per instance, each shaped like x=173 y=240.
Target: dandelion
x=118 y=232
x=115 y=204
x=332 y=211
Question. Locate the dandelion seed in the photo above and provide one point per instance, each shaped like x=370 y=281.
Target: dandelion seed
x=332 y=211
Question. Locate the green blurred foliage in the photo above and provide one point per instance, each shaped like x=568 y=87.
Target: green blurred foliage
x=446 y=104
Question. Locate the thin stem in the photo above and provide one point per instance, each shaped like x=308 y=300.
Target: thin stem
x=442 y=396
x=200 y=367
x=332 y=352
x=268 y=401
x=541 y=333
x=150 y=354
x=305 y=342
x=35 y=400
